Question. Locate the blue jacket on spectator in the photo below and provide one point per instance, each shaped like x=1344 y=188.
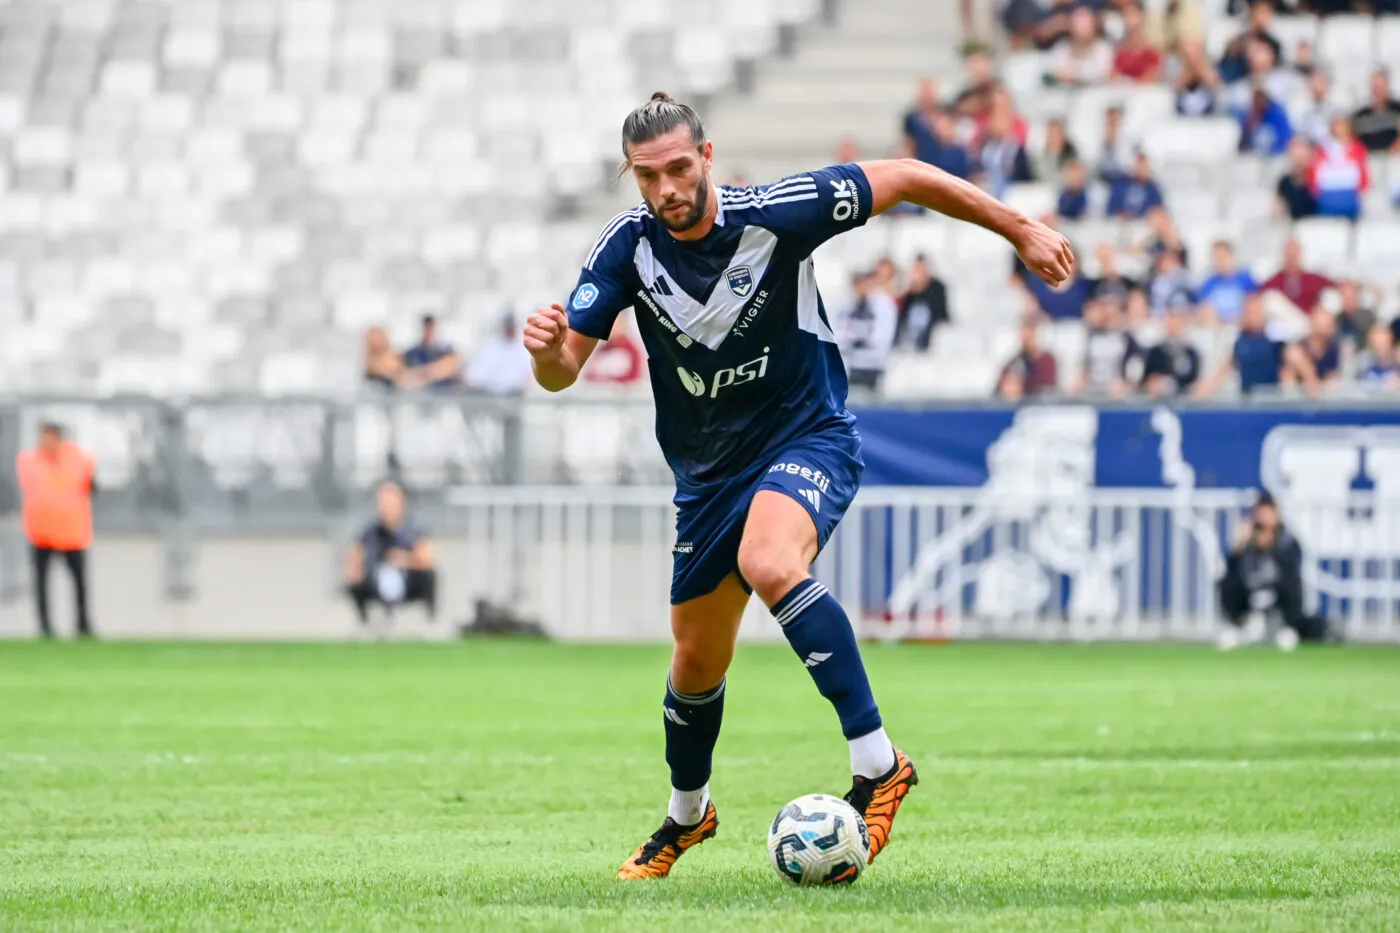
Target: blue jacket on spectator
x=1258 y=360
x=1073 y=203
x=1133 y=197
x=1268 y=133
x=1065 y=303
x=1226 y=293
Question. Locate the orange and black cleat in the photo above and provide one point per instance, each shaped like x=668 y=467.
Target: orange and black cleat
x=878 y=799
x=656 y=856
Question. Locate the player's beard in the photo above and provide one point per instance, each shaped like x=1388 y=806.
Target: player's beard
x=697 y=209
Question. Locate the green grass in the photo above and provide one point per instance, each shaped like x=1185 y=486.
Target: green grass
x=496 y=786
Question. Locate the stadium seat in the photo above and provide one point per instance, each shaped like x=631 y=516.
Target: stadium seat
x=1325 y=241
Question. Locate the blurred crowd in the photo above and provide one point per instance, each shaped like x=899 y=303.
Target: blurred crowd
x=1145 y=306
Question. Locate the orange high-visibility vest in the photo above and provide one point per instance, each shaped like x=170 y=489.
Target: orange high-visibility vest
x=57 y=497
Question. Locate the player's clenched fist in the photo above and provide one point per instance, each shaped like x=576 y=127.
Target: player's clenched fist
x=1046 y=253
x=545 y=331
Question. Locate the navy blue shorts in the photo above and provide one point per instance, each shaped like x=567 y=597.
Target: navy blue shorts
x=820 y=472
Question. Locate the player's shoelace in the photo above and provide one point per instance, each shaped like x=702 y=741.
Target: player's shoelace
x=668 y=835
x=861 y=793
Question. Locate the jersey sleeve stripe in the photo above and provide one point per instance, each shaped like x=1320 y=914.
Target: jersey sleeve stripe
x=787 y=197
x=772 y=196
x=616 y=224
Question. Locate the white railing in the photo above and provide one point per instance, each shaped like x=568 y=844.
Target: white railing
x=1137 y=564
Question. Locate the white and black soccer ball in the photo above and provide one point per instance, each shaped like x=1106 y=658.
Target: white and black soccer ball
x=818 y=839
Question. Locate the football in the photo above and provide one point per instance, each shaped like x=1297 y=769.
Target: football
x=818 y=839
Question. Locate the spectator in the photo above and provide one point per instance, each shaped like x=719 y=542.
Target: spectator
x=1172 y=366
x=501 y=366
x=868 y=332
x=1256 y=357
x=1054 y=25
x=1110 y=353
x=1339 y=175
x=1264 y=126
x=1138 y=309
x=617 y=361
x=1379 y=369
x=382 y=365
x=919 y=122
x=1162 y=237
x=1063 y=303
x=1073 y=203
x=1354 y=317
x=1315 y=117
x=1264 y=73
x=1315 y=361
x=55 y=489
x=1001 y=155
x=1059 y=151
x=1137 y=59
x=1131 y=198
x=1020 y=18
x=1111 y=285
x=1304 y=59
x=1032 y=371
x=1170 y=285
x=1115 y=159
x=1221 y=296
x=1234 y=64
x=1264 y=576
x=1295 y=195
x=1378 y=123
x=1304 y=289
x=1084 y=58
x=1197 y=84
x=1175 y=25
x=392 y=562
x=949 y=154
x=975 y=98
x=922 y=308
x=431 y=362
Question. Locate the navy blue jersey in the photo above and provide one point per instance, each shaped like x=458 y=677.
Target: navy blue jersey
x=740 y=349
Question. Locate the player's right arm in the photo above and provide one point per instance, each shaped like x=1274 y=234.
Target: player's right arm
x=556 y=352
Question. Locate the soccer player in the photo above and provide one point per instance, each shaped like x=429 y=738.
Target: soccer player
x=751 y=416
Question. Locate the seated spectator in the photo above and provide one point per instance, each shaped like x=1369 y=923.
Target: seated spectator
x=1304 y=61
x=1032 y=371
x=867 y=332
x=1085 y=58
x=1339 y=175
x=1234 y=64
x=1111 y=285
x=1131 y=198
x=1265 y=73
x=1001 y=156
x=1116 y=157
x=1378 y=123
x=1139 y=311
x=1058 y=151
x=501 y=365
x=1379 y=369
x=1170 y=285
x=431 y=362
x=1175 y=24
x=619 y=360
x=1172 y=366
x=382 y=366
x=1303 y=288
x=1073 y=203
x=1295 y=195
x=1264 y=126
x=1054 y=25
x=1063 y=303
x=1314 y=118
x=948 y=153
x=392 y=562
x=1111 y=355
x=923 y=307
x=1354 y=315
x=1221 y=296
x=918 y=122
x=1020 y=18
x=975 y=97
x=1315 y=362
x=1256 y=357
x=1136 y=58
x=1197 y=83
x=1162 y=237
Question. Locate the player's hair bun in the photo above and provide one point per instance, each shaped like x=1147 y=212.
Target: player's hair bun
x=663 y=97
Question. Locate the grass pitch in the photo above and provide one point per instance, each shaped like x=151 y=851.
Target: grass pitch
x=496 y=786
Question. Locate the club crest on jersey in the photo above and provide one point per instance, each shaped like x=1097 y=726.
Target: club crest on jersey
x=585 y=296
x=740 y=280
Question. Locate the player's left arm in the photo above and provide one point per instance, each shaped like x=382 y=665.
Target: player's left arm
x=1045 y=252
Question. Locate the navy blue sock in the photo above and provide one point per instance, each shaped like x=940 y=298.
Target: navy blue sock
x=818 y=630
x=692 y=728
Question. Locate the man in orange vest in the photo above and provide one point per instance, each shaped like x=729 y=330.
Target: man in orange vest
x=55 y=486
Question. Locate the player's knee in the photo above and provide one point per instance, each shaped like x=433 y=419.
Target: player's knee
x=769 y=571
x=698 y=665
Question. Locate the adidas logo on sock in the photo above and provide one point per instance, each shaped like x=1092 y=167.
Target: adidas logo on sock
x=815 y=658
x=674 y=716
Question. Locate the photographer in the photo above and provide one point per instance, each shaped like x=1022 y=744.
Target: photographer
x=392 y=561
x=1262 y=576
